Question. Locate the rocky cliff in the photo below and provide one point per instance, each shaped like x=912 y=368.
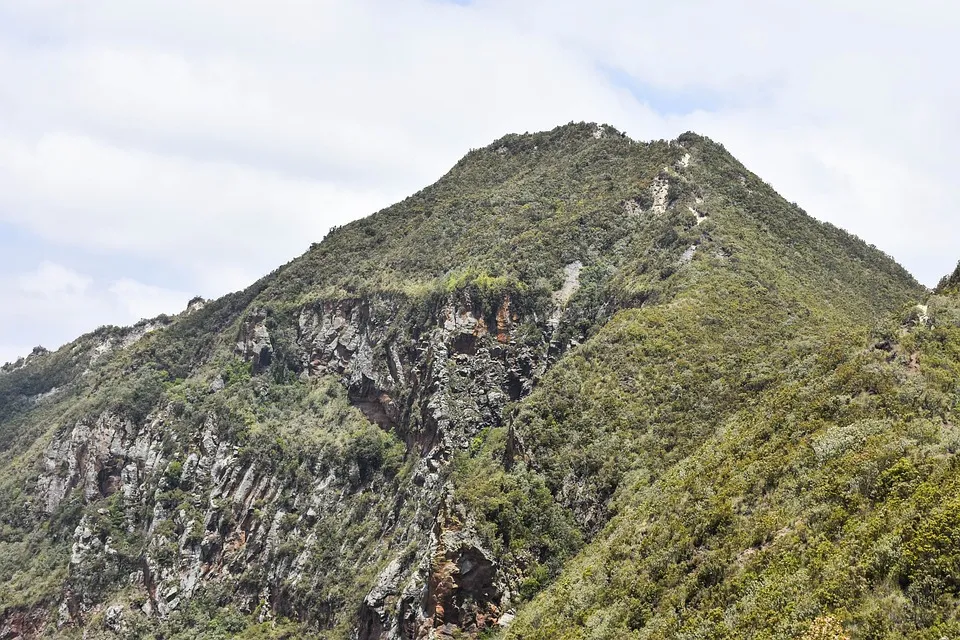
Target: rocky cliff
x=206 y=511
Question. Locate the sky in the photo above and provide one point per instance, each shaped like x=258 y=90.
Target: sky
x=151 y=151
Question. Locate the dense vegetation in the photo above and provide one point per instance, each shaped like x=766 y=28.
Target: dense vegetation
x=743 y=426
x=829 y=493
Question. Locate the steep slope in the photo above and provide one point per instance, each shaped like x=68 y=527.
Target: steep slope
x=410 y=430
x=825 y=507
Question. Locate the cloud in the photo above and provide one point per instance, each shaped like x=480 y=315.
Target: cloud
x=72 y=189
x=55 y=301
x=140 y=300
x=199 y=144
x=52 y=281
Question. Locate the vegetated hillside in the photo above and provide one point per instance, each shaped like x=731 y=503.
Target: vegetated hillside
x=825 y=506
x=579 y=387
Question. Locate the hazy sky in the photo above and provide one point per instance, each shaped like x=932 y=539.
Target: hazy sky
x=152 y=151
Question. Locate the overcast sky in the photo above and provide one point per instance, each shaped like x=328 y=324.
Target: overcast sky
x=155 y=150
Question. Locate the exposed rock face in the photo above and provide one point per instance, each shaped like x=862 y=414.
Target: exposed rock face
x=437 y=388
x=23 y=624
x=660 y=192
x=466 y=589
x=254 y=343
x=196 y=304
x=126 y=338
x=571 y=282
x=200 y=510
x=184 y=547
x=99 y=459
x=457 y=588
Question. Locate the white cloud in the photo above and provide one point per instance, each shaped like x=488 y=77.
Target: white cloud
x=218 y=139
x=53 y=301
x=77 y=190
x=140 y=300
x=53 y=281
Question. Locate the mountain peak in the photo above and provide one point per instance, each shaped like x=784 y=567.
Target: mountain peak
x=568 y=138
x=419 y=426
x=573 y=133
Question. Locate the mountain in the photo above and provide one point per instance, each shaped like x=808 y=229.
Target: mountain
x=580 y=387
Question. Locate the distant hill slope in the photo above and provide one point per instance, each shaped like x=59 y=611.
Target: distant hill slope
x=580 y=387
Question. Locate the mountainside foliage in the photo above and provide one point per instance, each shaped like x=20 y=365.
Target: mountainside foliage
x=581 y=387
x=826 y=489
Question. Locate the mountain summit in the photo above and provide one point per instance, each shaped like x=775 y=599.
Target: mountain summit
x=580 y=387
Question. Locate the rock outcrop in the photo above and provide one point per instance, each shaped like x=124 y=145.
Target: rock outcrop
x=200 y=513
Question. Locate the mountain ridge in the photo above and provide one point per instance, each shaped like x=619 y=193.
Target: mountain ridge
x=431 y=421
x=529 y=142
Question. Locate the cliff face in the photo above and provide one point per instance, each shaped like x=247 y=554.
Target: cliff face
x=415 y=428
x=208 y=514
